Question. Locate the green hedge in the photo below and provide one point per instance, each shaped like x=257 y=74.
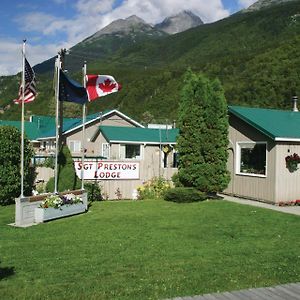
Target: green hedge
x=184 y=195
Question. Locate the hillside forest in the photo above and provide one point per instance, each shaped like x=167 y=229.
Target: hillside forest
x=255 y=55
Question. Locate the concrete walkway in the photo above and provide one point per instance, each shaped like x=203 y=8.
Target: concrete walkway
x=289 y=291
x=295 y=210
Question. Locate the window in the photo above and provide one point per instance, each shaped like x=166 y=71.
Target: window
x=130 y=151
x=75 y=146
x=165 y=159
x=252 y=158
x=175 y=159
x=105 y=150
x=49 y=145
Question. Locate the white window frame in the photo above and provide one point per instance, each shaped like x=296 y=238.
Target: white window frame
x=140 y=157
x=108 y=150
x=49 y=145
x=72 y=146
x=239 y=146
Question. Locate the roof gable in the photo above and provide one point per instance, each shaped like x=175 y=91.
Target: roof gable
x=72 y=124
x=279 y=125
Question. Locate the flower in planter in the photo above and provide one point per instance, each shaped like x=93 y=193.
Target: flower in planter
x=57 y=201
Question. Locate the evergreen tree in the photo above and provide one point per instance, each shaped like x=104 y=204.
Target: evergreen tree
x=67 y=179
x=10 y=163
x=203 y=139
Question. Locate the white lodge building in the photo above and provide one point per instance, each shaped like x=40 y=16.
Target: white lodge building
x=120 y=153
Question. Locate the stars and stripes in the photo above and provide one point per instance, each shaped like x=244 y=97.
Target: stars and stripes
x=30 y=85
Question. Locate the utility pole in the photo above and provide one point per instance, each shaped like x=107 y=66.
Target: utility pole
x=61 y=106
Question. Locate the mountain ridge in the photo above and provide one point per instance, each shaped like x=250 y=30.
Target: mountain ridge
x=123 y=26
x=119 y=35
x=261 y=4
x=179 y=22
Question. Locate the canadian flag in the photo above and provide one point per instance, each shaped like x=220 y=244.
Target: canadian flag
x=100 y=85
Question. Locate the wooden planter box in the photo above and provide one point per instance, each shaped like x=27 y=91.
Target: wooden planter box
x=45 y=214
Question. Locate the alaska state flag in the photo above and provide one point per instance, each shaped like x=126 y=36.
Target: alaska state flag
x=101 y=85
x=71 y=91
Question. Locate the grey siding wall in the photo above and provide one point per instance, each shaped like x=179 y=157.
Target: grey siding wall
x=287 y=184
x=259 y=188
x=149 y=168
x=94 y=147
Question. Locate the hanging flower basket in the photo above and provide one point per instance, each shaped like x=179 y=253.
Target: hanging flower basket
x=292 y=162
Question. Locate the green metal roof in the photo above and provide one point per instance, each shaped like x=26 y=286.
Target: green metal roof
x=31 y=130
x=279 y=125
x=136 y=135
x=46 y=124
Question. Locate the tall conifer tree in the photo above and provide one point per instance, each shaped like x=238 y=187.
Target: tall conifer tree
x=203 y=139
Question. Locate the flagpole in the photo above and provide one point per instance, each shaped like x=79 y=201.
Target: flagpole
x=83 y=129
x=22 y=120
x=57 y=68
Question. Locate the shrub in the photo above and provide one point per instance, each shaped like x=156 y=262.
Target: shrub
x=10 y=163
x=67 y=179
x=94 y=191
x=176 y=181
x=153 y=189
x=49 y=162
x=184 y=195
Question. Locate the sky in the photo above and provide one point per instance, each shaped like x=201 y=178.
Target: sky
x=51 y=25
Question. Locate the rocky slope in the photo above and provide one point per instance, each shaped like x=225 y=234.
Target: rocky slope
x=179 y=22
x=263 y=4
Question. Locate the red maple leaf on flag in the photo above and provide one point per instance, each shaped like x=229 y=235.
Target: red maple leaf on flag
x=108 y=86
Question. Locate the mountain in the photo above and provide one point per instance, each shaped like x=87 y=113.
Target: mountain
x=179 y=22
x=129 y=26
x=263 y=4
x=254 y=55
x=118 y=35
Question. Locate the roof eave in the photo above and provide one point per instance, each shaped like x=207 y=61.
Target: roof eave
x=46 y=138
x=287 y=139
x=140 y=142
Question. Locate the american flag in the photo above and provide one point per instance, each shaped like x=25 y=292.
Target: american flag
x=30 y=85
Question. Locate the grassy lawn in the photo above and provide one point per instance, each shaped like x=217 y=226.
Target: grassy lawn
x=148 y=250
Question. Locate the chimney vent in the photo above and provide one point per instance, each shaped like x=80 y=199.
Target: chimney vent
x=295 y=100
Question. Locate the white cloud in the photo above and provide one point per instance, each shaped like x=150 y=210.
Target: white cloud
x=9 y=52
x=94 y=14
x=91 y=16
x=35 y=21
x=154 y=11
x=246 y=3
x=11 y=55
x=94 y=7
